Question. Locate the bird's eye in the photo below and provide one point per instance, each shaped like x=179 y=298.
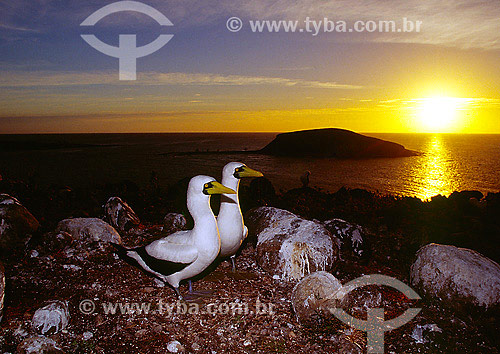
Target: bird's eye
x=206 y=185
x=239 y=169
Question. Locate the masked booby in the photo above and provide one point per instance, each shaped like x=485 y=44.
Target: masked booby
x=185 y=254
x=230 y=220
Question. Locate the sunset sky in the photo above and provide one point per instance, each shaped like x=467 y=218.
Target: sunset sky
x=444 y=79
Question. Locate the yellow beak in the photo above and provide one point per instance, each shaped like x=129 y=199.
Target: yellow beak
x=217 y=188
x=248 y=172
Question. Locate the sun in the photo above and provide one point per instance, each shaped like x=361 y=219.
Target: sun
x=440 y=114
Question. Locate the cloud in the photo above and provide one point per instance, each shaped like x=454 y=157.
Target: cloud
x=41 y=78
x=454 y=23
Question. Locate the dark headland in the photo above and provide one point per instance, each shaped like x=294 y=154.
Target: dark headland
x=332 y=142
x=328 y=142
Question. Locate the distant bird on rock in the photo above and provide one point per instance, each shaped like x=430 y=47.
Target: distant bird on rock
x=305 y=179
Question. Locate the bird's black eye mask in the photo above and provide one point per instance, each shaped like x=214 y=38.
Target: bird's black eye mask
x=237 y=172
x=206 y=187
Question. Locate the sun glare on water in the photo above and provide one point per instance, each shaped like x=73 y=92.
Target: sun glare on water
x=441 y=114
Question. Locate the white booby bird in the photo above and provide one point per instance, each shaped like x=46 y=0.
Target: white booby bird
x=230 y=220
x=185 y=254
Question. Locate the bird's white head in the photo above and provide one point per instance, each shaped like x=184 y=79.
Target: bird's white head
x=205 y=185
x=239 y=170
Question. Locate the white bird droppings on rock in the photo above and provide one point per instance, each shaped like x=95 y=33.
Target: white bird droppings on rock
x=418 y=332
x=289 y=246
x=51 y=318
x=38 y=345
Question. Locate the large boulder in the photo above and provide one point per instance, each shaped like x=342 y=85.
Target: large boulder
x=16 y=223
x=309 y=294
x=456 y=276
x=289 y=246
x=120 y=215
x=51 y=318
x=88 y=230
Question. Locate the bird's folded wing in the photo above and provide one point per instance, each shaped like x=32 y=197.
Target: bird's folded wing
x=172 y=252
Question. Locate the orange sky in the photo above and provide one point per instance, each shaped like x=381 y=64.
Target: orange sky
x=209 y=79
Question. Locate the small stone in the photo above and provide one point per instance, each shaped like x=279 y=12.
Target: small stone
x=87 y=335
x=195 y=346
x=141 y=333
x=247 y=343
x=38 y=345
x=276 y=277
x=34 y=254
x=309 y=294
x=157 y=328
x=174 y=346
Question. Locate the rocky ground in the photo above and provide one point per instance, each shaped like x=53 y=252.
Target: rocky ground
x=45 y=271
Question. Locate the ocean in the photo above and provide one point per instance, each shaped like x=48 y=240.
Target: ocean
x=450 y=162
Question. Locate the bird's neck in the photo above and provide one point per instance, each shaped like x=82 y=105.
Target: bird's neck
x=199 y=208
x=230 y=201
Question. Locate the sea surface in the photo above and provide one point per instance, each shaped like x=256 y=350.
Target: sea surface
x=449 y=162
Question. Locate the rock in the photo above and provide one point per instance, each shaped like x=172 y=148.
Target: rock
x=38 y=345
x=351 y=235
x=53 y=242
x=89 y=230
x=464 y=197
x=331 y=142
x=457 y=276
x=16 y=223
x=173 y=222
x=51 y=318
x=87 y=335
x=421 y=333
x=290 y=246
x=174 y=347
x=2 y=289
x=195 y=346
x=120 y=215
x=309 y=293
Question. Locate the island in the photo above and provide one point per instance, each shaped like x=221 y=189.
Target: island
x=333 y=142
